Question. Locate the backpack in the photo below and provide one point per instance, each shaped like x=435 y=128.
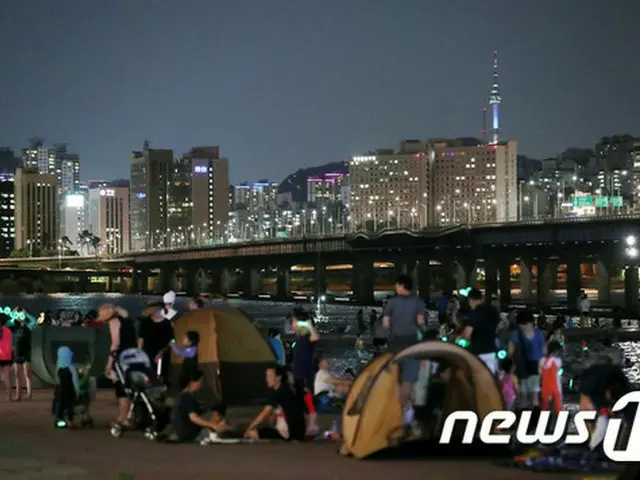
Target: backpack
x=6 y=344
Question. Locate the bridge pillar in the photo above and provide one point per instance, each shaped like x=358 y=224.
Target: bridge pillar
x=465 y=272
x=573 y=282
x=504 y=282
x=423 y=278
x=490 y=278
x=553 y=264
x=526 y=287
x=320 y=274
x=603 y=275
x=189 y=276
x=226 y=281
x=363 y=282
x=547 y=271
x=84 y=283
x=448 y=269
x=139 y=281
x=284 y=284
x=167 y=277
x=215 y=287
x=631 y=288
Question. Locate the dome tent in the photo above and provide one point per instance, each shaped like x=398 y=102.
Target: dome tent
x=232 y=354
x=372 y=419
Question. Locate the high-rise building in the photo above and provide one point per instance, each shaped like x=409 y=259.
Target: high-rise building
x=474 y=184
x=151 y=171
x=73 y=217
x=260 y=196
x=8 y=161
x=328 y=188
x=180 y=204
x=209 y=191
x=109 y=218
x=56 y=160
x=36 y=213
x=614 y=153
x=389 y=189
x=7 y=212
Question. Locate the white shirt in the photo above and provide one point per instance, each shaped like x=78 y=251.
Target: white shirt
x=321 y=385
x=585 y=305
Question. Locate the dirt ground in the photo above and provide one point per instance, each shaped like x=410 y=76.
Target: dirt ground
x=32 y=448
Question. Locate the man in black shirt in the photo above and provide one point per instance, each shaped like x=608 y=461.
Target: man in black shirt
x=187 y=419
x=480 y=329
x=284 y=407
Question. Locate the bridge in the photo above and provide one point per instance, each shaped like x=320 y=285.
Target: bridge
x=536 y=255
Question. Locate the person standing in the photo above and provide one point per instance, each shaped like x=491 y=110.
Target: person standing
x=362 y=326
x=6 y=352
x=22 y=355
x=156 y=333
x=122 y=332
x=304 y=363
x=527 y=347
x=479 y=329
x=404 y=318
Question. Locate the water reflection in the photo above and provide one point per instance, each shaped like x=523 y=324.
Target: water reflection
x=339 y=319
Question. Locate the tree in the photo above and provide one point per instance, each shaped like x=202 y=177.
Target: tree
x=19 y=253
x=95 y=243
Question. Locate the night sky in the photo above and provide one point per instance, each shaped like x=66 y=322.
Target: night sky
x=282 y=84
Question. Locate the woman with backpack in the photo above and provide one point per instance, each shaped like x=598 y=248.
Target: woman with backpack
x=527 y=348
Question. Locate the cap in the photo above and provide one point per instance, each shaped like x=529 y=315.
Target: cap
x=169 y=297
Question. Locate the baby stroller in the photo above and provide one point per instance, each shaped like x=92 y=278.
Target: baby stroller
x=145 y=390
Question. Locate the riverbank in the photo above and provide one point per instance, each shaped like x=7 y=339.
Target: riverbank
x=32 y=448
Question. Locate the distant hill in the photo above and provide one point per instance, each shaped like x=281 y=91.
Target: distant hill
x=296 y=183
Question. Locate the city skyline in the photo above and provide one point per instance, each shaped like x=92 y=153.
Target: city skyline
x=315 y=96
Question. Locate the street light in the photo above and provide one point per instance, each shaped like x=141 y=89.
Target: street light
x=630 y=240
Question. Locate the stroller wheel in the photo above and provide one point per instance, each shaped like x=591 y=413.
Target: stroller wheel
x=150 y=434
x=116 y=430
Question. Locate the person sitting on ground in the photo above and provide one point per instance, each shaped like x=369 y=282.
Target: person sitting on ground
x=328 y=388
x=189 y=354
x=284 y=409
x=187 y=416
x=195 y=303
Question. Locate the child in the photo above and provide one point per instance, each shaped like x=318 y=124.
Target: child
x=550 y=367
x=509 y=383
x=189 y=354
x=68 y=388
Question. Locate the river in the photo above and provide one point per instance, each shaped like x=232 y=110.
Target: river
x=339 y=318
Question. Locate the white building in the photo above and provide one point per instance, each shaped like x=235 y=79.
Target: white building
x=73 y=218
x=109 y=218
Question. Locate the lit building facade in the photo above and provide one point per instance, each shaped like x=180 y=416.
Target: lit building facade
x=209 y=194
x=151 y=171
x=474 y=184
x=56 y=160
x=328 y=188
x=389 y=189
x=255 y=197
x=109 y=218
x=7 y=214
x=73 y=217
x=36 y=212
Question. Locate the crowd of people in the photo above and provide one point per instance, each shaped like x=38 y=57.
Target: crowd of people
x=529 y=374
x=301 y=383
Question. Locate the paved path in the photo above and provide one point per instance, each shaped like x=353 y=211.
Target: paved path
x=30 y=448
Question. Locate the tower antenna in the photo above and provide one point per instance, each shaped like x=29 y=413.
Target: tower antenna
x=494 y=101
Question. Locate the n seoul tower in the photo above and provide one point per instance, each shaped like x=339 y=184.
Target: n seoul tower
x=495 y=100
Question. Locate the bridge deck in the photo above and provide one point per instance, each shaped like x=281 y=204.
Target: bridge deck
x=31 y=448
